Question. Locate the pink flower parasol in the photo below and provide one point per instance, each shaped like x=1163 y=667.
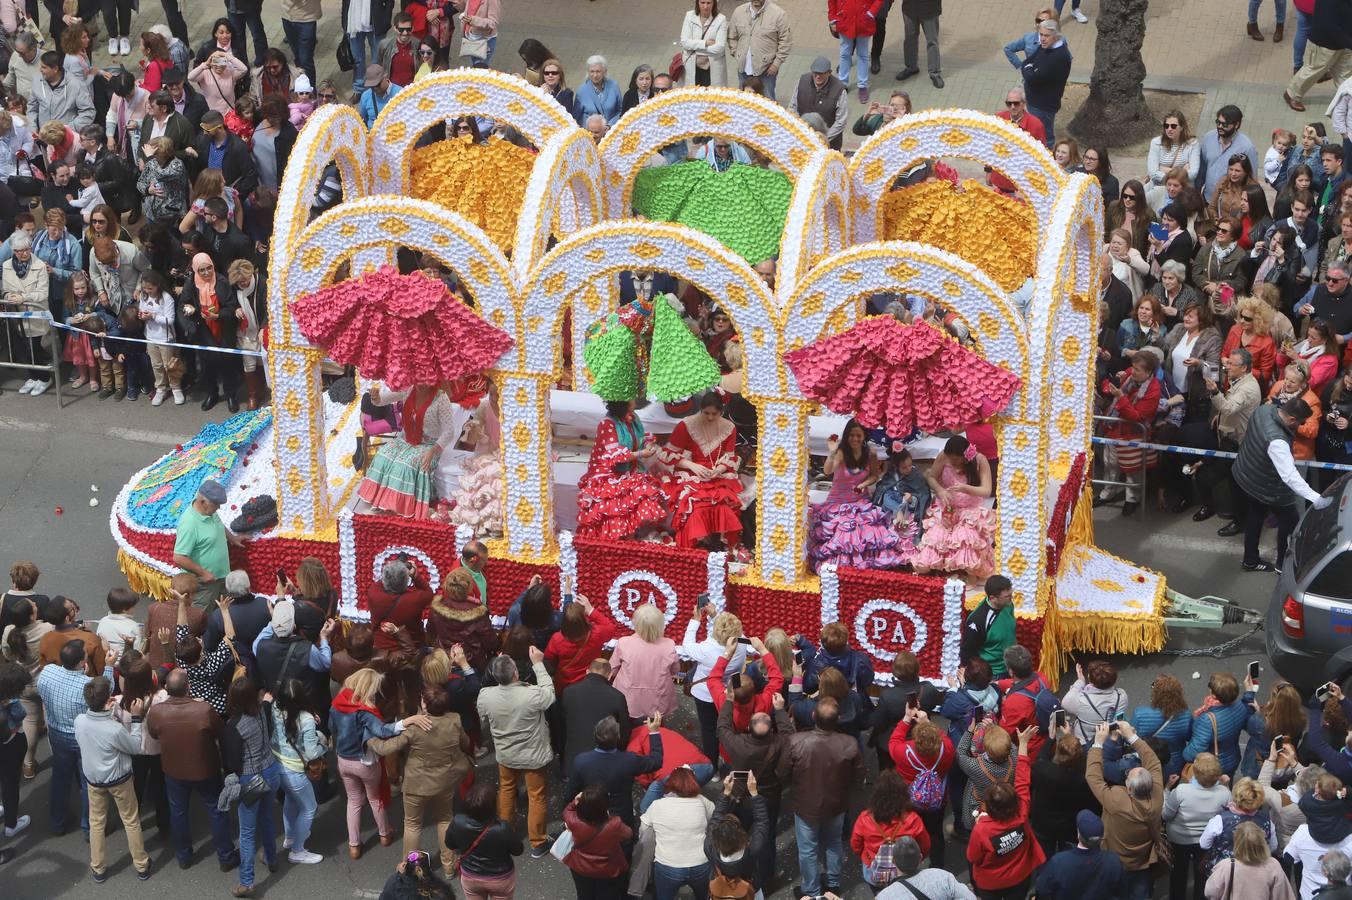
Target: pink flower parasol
x=901 y=377
x=402 y=329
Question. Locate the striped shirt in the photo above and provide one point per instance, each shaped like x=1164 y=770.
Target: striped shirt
x=62 y=692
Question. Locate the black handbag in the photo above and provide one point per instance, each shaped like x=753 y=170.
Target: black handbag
x=25 y=185
x=345 y=60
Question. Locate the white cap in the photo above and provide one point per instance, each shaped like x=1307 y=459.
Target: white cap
x=303 y=85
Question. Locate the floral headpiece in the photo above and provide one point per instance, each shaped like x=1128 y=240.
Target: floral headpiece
x=898 y=446
x=970 y=453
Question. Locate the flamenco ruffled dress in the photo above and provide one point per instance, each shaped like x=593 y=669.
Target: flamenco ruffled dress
x=849 y=530
x=616 y=496
x=959 y=535
x=478 y=502
x=708 y=506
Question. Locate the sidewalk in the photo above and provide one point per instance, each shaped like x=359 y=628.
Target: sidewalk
x=1197 y=46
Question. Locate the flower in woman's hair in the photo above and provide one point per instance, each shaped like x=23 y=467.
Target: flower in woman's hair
x=898 y=446
x=970 y=453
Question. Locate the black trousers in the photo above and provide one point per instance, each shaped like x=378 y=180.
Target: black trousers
x=1187 y=864
x=708 y=729
x=147 y=775
x=600 y=888
x=11 y=766
x=219 y=367
x=1255 y=514
x=173 y=17
x=117 y=17
x=1016 y=892
x=880 y=32
x=934 y=824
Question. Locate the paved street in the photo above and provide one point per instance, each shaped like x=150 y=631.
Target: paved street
x=50 y=457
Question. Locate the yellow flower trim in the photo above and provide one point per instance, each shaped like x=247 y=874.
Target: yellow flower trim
x=984 y=227
x=141 y=578
x=485 y=183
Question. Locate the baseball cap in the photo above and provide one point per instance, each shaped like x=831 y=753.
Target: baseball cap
x=1088 y=825
x=375 y=74
x=283 y=618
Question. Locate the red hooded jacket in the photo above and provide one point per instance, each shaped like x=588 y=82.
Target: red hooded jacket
x=853 y=18
x=762 y=702
x=1004 y=852
x=906 y=762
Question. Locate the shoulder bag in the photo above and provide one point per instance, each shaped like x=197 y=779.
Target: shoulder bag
x=1186 y=774
x=455 y=867
x=470 y=46
x=346 y=61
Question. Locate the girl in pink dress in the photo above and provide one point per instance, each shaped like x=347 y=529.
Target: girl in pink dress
x=703 y=489
x=80 y=347
x=959 y=529
x=848 y=529
x=616 y=496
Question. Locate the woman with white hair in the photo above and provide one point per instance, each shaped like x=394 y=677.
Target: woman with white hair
x=23 y=288
x=1176 y=296
x=598 y=95
x=642 y=665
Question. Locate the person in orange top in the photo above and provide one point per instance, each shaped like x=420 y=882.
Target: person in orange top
x=889 y=817
x=1002 y=850
x=923 y=754
x=577 y=642
x=1253 y=332
x=1296 y=383
x=746 y=702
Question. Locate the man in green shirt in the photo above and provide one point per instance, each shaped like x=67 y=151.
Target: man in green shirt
x=202 y=544
x=989 y=628
x=473 y=558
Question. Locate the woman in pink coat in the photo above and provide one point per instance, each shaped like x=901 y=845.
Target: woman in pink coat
x=215 y=79
x=643 y=663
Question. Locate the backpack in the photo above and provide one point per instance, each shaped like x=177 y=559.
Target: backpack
x=1045 y=703
x=724 y=887
x=927 y=790
x=883 y=869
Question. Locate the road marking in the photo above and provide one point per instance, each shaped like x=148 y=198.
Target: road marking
x=147 y=437
x=1215 y=544
x=367 y=895
x=23 y=424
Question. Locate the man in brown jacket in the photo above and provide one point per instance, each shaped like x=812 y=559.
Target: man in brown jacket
x=188 y=731
x=821 y=767
x=759 y=40
x=1132 y=814
x=759 y=751
x=64 y=614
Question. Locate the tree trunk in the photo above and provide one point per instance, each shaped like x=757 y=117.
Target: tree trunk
x=1115 y=113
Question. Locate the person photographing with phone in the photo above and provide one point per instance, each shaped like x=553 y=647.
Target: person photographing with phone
x=880 y=115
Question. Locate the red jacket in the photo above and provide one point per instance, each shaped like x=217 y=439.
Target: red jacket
x=1135 y=407
x=676 y=752
x=853 y=18
x=868 y=835
x=1003 y=853
x=572 y=658
x=597 y=852
x=908 y=763
x=1260 y=347
x=1035 y=129
x=762 y=702
x=406 y=610
x=1018 y=709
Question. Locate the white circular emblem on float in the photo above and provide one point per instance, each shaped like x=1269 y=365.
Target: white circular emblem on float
x=870 y=626
x=624 y=598
x=429 y=568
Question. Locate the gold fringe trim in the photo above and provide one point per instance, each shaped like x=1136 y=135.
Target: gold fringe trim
x=1054 y=657
x=142 y=578
x=1097 y=634
x=1081 y=530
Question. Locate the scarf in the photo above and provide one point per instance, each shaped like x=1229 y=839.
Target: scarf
x=246 y=303
x=1220 y=253
x=358 y=17
x=1208 y=704
x=414 y=413
x=347 y=703
x=21 y=266
x=207 y=301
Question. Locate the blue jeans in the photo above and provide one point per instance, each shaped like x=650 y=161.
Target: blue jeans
x=301 y=37
x=1048 y=120
x=1061 y=4
x=1279 y=4
x=702 y=772
x=256 y=28
x=667 y=881
x=298 y=808
x=825 y=834
x=858 y=48
x=767 y=80
x=65 y=769
x=1301 y=39
x=359 y=43
x=484 y=63
x=257 y=826
x=209 y=790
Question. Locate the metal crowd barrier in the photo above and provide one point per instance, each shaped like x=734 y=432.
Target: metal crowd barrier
x=1125 y=485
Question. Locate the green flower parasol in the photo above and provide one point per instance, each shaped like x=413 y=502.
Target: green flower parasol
x=680 y=367
x=744 y=207
x=612 y=362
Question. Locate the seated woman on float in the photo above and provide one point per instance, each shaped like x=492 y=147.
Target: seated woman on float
x=703 y=489
x=409 y=472
x=959 y=529
x=616 y=496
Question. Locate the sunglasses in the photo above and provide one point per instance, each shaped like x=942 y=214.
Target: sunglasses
x=1170 y=124
x=328 y=96
x=404 y=30
x=1221 y=123
x=428 y=53
x=1013 y=103
x=1336 y=280
x=1126 y=196
x=98 y=221
x=1225 y=231
x=1246 y=318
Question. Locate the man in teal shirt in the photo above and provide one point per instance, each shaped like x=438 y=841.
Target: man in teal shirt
x=989 y=629
x=202 y=544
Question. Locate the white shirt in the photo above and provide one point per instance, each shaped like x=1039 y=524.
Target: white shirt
x=706 y=654
x=1306 y=850
x=1181 y=352
x=1279 y=452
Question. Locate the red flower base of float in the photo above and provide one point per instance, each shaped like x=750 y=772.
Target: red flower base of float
x=894 y=609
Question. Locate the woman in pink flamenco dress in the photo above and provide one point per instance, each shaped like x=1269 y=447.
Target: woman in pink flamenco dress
x=959 y=529
x=616 y=496
x=848 y=529
x=703 y=489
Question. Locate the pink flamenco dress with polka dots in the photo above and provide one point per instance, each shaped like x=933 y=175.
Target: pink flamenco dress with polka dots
x=959 y=535
x=616 y=496
x=849 y=530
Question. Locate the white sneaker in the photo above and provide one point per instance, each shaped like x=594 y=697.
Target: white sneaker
x=304 y=857
x=39 y=388
x=286 y=843
x=28 y=385
x=159 y=397
x=178 y=397
x=1079 y=17
x=112 y=46
x=124 y=46
x=19 y=826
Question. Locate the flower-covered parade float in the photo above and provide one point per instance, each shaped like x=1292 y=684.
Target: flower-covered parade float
x=491 y=362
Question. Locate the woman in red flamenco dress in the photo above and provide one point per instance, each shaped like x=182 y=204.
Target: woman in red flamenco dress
x=703 y=488
x=616 y=496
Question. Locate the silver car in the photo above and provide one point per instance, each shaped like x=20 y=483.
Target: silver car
x=1309 y=622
